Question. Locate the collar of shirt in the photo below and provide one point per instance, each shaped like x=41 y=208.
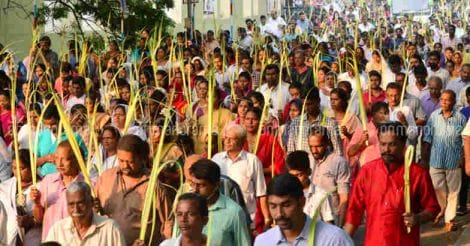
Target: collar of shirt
x=221 y=203
x=451 y=115
x=392 y=168
x=58 y=178
x=240 y=156
x=97 y=222
x=302 y=236
x=327 y=154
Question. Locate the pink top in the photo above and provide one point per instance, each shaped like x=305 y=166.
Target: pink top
x=372 y=151
x=7 y=123
x=53 y=200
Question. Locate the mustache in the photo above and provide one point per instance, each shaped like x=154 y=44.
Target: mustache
x=77 y=215
x=281 y=219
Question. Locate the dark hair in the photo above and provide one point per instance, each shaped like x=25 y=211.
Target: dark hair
x=295 y=86
x=451 y=93
x=436 y=54
x=65 y=67
x=206 y=169
x=285 y=185
x=140 y=149
x=259 y=97
x=272 y=67
x=256 y=111
x=200 y=200
x=79 y=80
x=186 y=144
x=343 y=96
x=397 y=128
x=420 y=69
x=45 y=39
x=298 y=160
x=66 y=143
x=375 y=74
x=317 y=130
x=113 y=130
x=245 y=75
x=23 y=157
x=51 y=112
x=313 y=94
x=394 y=85
x=394 y=59
x=376 y=107
x=36 y=107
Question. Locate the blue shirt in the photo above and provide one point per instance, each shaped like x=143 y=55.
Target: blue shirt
x=325 y=234
x=46 y=145
x=445 y=138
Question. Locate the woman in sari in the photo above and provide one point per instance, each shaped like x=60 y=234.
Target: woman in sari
x=267 y=149
x=6 y=119
x=106 y=157
x=377 y=63
x=118 y=120
x=347 y=121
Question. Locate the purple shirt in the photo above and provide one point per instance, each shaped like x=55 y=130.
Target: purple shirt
x=53 y=200
x=428 y=104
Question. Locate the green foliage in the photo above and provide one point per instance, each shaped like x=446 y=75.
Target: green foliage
x=139 y=14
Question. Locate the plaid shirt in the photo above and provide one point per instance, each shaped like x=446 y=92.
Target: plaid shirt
x=327 y=122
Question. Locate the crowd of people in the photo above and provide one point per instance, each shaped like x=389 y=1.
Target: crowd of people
x=291 y=132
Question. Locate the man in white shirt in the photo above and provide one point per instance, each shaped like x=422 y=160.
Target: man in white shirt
x=244 y=168
x=77 y=93
x=450 y=40
x=435 y=70
x=245 y=41
x=263 y=25
x=404 y=115
x=365 y=26
x=277 y=94
x=276 y=25
x=83 y=226
x=298 y=164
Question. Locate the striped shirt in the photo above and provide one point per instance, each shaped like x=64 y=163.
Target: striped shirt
x=327 y=122
x=444 y=135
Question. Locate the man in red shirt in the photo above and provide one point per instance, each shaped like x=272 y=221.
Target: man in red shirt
x=379 y=191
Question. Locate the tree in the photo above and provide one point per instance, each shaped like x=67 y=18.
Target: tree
x=137 y=15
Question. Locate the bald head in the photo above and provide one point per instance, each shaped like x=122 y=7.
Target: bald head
x=188 y=163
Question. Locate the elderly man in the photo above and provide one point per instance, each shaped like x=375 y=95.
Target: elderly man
x=286 y=201
x=244 y=168
x=228 y=226
x=121 y=191
x=49 y=202
x=378 y=190
x=83 y=227
x=330 y=171
x=192 y=215
x=442 y=150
